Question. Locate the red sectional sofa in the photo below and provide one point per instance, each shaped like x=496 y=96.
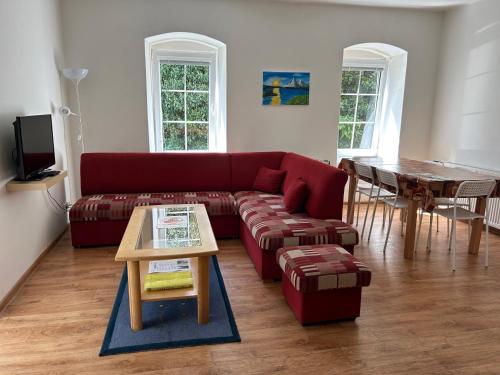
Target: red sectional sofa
x=112 y=184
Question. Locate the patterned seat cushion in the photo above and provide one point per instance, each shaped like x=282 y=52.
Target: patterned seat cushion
x=120 y=206
x=273 y=227
x=320 y=267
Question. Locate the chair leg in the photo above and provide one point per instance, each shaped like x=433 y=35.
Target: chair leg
x=391 y=216
x=487 y=246
x=429 y=235
x=383 y=217
x=437 y=224
x=486 y=254
x=448 y=227
x=366 y=215
x=419 y=227
x=359 y=204
x=403 y=222
x=373 y=218
x=469 y=206
x=453 y=227
x=454 y=235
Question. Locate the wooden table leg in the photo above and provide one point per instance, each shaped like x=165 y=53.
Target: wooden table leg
x=411 y=225
x=203 y=290
x=134 y=295
x=477 y=227
x=350 y=199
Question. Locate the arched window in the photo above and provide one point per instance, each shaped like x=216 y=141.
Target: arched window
x=373 y=79
x=186 y=92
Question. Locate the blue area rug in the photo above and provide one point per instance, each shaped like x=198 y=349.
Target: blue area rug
x=171 y=324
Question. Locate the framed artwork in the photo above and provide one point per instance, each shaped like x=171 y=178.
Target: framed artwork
x=285 y=88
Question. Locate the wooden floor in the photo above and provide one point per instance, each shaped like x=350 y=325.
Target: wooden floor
x=417 y=318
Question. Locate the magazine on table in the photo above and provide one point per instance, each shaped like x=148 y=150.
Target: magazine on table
x=172 y=222
x=174 y=265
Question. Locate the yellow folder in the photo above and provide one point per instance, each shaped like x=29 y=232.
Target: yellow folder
x=168 y=280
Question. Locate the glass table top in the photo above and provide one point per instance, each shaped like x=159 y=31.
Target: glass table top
x=169 y=227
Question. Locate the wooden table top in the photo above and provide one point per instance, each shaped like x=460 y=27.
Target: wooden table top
x=148 y=237
x=426 y=170
x=423 y=180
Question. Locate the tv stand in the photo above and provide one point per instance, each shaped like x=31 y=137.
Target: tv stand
x=43 y=174
x=44 y=183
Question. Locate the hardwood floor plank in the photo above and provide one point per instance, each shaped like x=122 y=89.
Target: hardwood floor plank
x=417 y=317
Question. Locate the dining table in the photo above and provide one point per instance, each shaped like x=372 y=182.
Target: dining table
x=421 y=182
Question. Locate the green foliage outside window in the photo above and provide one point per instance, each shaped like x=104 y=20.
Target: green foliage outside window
x=357 y=111
x=185 y=106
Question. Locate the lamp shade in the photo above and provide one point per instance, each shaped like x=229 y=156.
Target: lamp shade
x=75 y=73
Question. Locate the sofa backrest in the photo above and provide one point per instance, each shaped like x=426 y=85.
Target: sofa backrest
x=326 y=185
x=245 y=165
x=103 y=173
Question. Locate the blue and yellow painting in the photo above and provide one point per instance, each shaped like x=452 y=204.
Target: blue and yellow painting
x=285 y=88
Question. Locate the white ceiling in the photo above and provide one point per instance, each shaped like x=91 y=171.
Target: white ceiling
x=392 y=3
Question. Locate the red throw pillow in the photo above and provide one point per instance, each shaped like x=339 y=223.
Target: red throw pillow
x=269 y=180
x=295 y=196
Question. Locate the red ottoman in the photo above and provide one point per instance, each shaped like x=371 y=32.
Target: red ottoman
x=322 y=282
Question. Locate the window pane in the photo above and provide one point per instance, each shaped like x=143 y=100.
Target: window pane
x=350 y=80
x=347 y=107
x=363 y=135
x=173 y=106
x=366 y=108
x=368 y=82
x=197 y=77
x=197 y=106
x=345 y=135
x=172 y=77
x=197 y=136
x=173 y=136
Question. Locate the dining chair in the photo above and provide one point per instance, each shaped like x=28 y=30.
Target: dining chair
x=468 y=189
x=373 y=191
x=440 y=203
x=389 y=179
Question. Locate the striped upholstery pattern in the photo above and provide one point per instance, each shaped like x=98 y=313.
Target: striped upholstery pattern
x=120 y=206
x=320 y=267
x=273 y=227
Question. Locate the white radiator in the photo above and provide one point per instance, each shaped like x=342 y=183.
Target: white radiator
x=494 y=210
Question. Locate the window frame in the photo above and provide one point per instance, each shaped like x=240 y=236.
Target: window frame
x=183 y=57
x=192 y=44
x=363 y=65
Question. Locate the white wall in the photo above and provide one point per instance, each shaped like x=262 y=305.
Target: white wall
x=466 y=126
x=29 y=84
x=107 y=36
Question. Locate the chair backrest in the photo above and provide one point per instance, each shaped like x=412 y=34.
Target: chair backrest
x=364 y=170
x=388 y=178
x=470 y=189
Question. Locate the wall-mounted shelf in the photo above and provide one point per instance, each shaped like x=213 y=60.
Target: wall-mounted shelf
x=44 y=184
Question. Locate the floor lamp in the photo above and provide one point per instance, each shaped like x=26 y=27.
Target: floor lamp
x=75 y=75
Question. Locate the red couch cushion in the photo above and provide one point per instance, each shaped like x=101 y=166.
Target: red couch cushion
x=295 y=196
x=103 y=173
x=273 y=227
x=245 y=165
x=120 y=206
x=322 y=267
x=269 y=180
x=325 y=183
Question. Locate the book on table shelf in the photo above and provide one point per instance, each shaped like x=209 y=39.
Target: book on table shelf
x=168 y=274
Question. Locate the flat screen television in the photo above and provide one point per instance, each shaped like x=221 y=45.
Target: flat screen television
x=34 y=146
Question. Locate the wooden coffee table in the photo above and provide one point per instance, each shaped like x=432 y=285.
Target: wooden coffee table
x=146 y=239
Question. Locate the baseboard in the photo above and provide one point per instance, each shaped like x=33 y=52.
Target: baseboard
x=19 y=284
